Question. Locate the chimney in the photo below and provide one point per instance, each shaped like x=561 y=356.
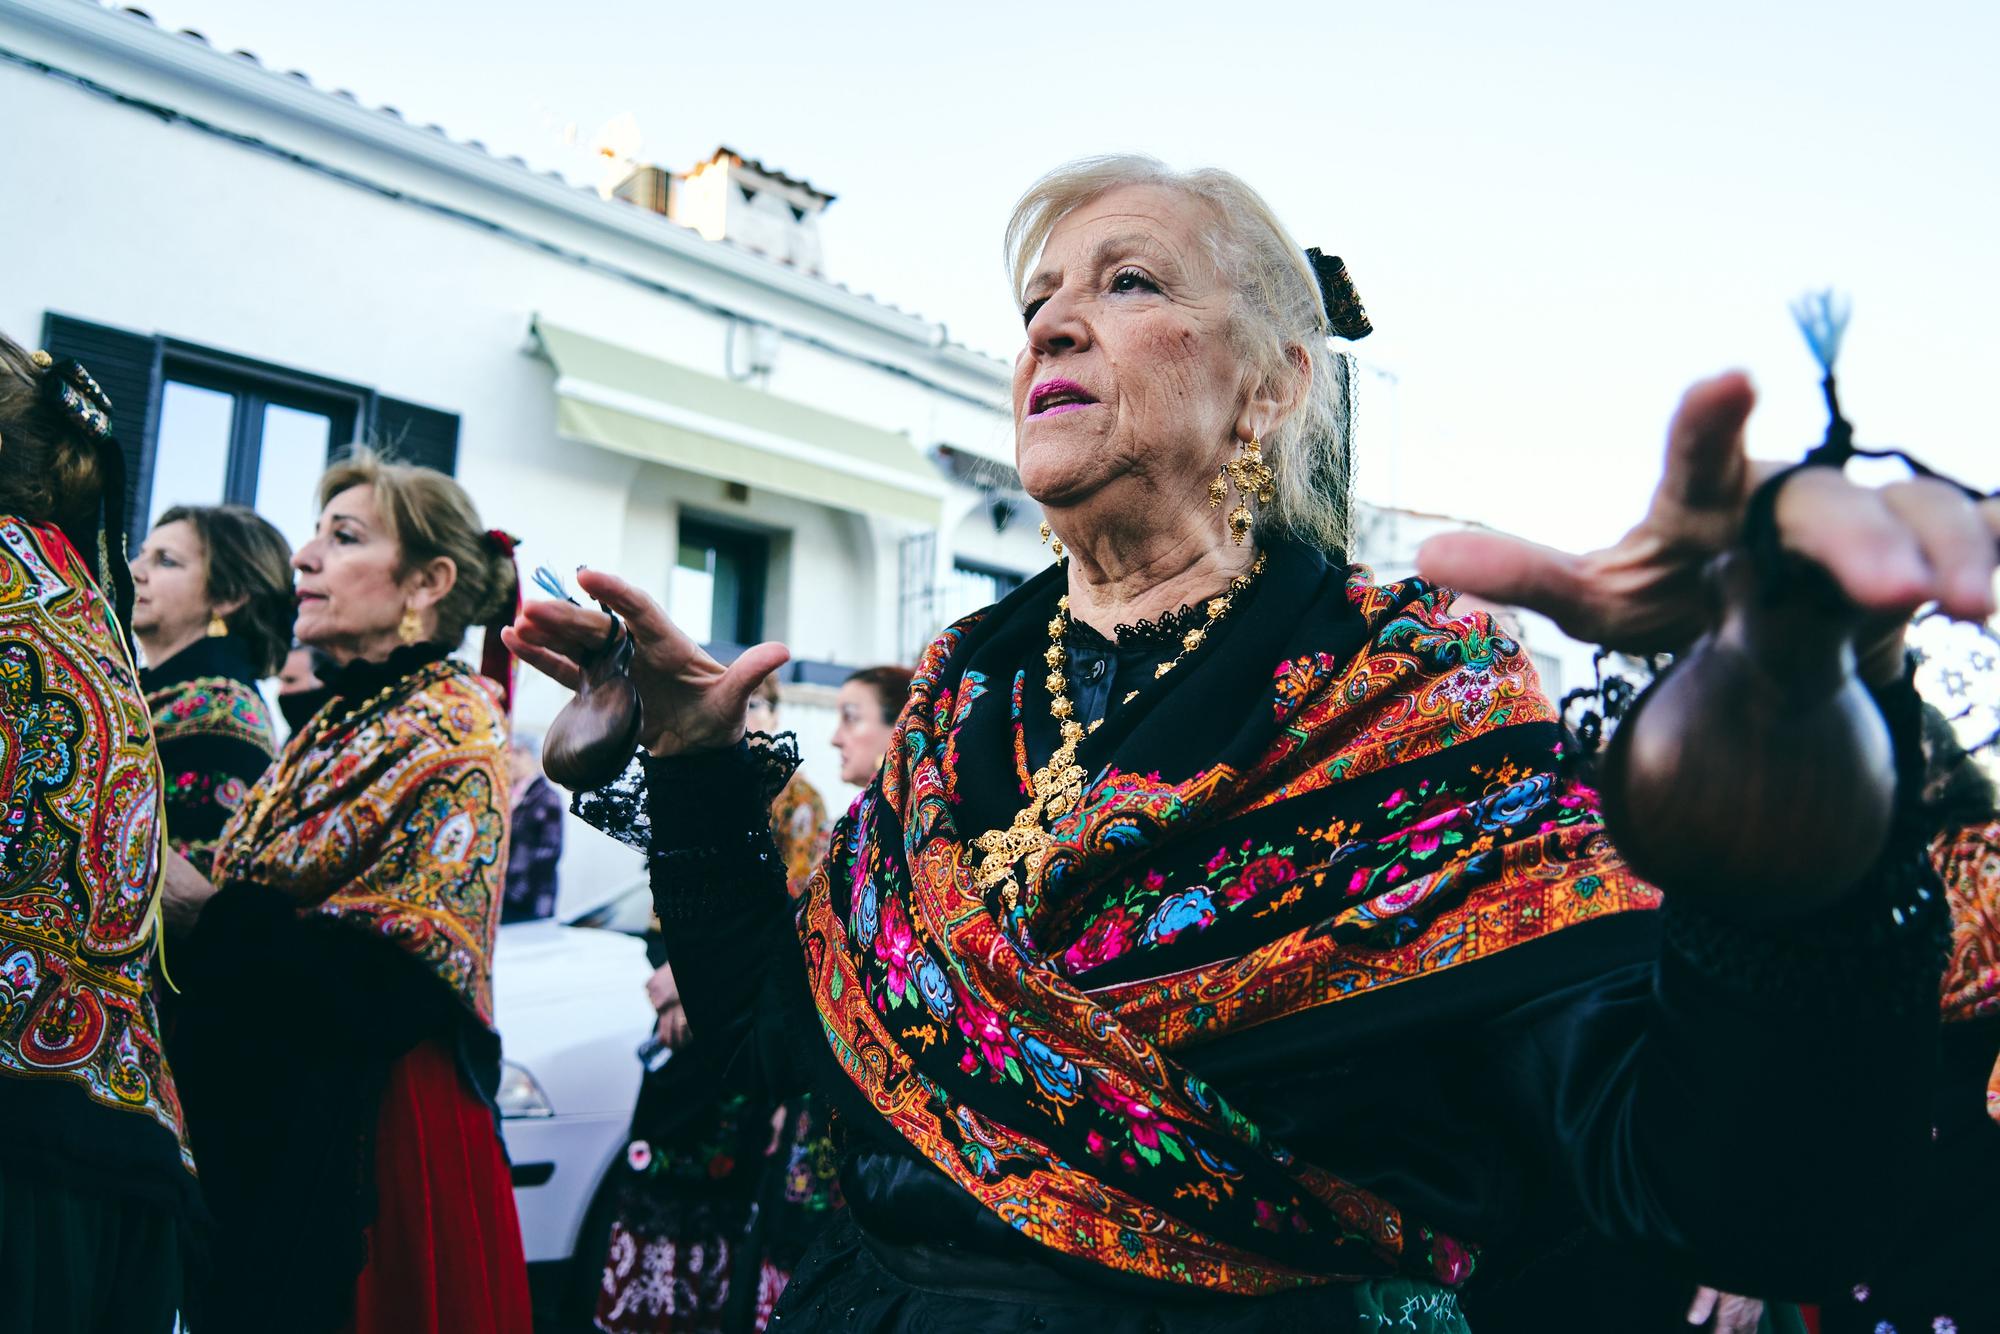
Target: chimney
x=732 y=198
x=651 y=188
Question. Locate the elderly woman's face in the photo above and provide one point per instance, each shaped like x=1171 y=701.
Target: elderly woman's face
x=1129 y=388
x=351 y=599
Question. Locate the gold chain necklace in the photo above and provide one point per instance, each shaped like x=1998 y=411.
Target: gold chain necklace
x=277 y=782
x=1057 y=786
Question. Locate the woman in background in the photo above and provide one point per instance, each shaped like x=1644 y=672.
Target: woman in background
x=300 y=691
x=537 y=841
x=98 y=1200
x=869 y=702
x=336 y=1019
x=212 y=610
x=720 y=1191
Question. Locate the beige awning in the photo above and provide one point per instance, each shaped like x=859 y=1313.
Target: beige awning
x=619 y=399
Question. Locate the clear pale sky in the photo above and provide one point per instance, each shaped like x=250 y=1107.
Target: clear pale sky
x=1558 y=214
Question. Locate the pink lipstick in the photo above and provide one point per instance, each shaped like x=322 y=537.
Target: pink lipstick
x=1053 y=396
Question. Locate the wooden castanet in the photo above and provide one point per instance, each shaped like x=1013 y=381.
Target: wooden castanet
x=592 y=739
x=1756 y=773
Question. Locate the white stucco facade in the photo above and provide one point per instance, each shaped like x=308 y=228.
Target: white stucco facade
x=274 y=221
x=170 y=189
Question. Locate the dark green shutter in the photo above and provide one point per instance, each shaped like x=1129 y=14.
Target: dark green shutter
x=128 y=366
x=413 y=434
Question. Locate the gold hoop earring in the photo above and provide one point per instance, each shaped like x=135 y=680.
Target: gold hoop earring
x=1253 y=480
x=217 y=627
x=411 y=628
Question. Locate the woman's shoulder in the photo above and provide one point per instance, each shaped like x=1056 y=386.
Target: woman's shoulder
x=37 y=563
x=216 y=706
x=1437 y=626
x=458 y=706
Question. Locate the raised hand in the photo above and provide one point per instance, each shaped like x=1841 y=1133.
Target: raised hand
x=691 y=702
x=1890 y=550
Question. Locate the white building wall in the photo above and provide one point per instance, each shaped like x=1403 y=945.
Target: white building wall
x=161 y=227
x=415 y=267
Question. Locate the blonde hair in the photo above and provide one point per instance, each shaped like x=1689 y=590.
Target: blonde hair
x=1278 y=308
x=430 y=515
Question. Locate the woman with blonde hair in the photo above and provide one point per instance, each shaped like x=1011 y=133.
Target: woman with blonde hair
x=336 y=1024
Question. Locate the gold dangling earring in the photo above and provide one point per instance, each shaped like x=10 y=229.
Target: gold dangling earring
x=1050 y=540
x=1253 y=479
x=1046 y=530
x=410 y=629
x=217 y=627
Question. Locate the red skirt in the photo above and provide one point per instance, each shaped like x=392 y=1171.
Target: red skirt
x=444 y=1251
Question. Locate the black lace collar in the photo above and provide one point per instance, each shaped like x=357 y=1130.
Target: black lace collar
x=359 y=679
x=1162 y=633
x=1166 y=629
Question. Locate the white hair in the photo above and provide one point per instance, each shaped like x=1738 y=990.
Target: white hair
x=1278 y=315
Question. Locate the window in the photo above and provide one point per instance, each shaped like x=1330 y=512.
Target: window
x=717 y=593
x=973 y=586
x=200 y=426
x=227 y=433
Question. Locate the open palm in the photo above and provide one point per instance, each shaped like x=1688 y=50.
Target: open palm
x=690 y=701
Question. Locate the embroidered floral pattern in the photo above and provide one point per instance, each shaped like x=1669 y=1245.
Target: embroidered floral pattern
x=1401 y=816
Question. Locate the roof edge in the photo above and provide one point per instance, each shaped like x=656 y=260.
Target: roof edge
x=139 y=42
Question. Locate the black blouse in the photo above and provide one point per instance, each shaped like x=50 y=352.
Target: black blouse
x=1717 y=1100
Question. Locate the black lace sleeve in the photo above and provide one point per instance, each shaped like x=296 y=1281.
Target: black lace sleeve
x=1755 y=1110
x=703 y=821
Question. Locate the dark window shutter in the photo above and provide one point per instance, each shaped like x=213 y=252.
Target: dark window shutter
x=128 y=366
x=413 y=434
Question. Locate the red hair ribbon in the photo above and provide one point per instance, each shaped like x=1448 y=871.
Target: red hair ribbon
x=495 y=662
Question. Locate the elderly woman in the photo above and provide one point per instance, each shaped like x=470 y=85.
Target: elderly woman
x=212 y=610
x=98 y=1199
x=336 y=1026
x=1256 y=973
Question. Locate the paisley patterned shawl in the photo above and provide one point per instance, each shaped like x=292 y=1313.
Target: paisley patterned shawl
x=1344 y=789
x=1968 y=861
x=215 y=737
x=80 y=826
x=798 y=824
x=393 y=822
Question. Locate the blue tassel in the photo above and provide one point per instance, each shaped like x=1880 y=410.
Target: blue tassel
x=1822 y=318
x=552 y=584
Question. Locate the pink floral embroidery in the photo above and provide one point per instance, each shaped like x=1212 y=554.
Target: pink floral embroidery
x=1106 y=938
x=985 y=1030
x=1264 y=874
x=1143 y=1121
x=896 y=946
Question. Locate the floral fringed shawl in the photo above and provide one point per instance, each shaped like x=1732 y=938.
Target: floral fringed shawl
x=1969 y=862
x=80 y=827
x=1344 y=789
x=394 y=820
x=215 y=736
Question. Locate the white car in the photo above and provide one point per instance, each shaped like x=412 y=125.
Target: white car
x=569 y=1000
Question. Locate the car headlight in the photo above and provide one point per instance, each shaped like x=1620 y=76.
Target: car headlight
x=519 y=1094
